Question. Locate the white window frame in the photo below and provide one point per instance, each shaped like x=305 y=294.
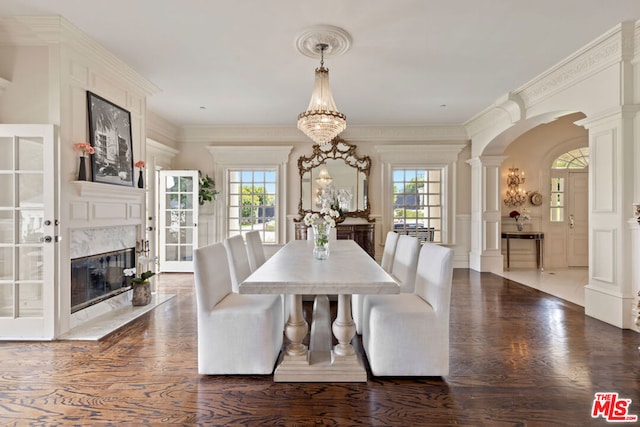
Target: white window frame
x=426 y=155
x=264 y=157
x=441 y=231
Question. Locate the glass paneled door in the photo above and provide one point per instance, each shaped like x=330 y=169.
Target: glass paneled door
x=28 y=231
x=178 y=220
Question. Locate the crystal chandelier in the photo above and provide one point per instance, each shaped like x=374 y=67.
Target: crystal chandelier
x=322 y=121
x=515 y=196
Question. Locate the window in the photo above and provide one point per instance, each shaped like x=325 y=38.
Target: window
x=571 y=160
x=556 y=201
x=252 y=203
x=418 y=202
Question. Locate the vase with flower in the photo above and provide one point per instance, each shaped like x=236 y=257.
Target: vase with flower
x=521 y=219
x=140 y=165
x=321 y=223
x=84 y=149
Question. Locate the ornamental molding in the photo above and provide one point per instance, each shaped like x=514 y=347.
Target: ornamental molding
x=290 y=134
x=603 y=52
x=56 y=30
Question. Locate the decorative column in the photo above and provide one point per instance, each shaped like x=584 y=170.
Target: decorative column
x=614 y=238
x=485 y=252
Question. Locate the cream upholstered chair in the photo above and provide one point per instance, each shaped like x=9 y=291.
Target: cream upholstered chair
x=408 y=334
x=255 y=250
x=389 y=251
x=238 y=260
x=386 y=263
x=405 y=262
x=237 y=334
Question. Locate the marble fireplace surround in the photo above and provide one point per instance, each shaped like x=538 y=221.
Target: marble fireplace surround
x=92 y=241
x=98 y=320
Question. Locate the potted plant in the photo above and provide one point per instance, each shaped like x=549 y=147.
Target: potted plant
x=208 y=190
x=141 y=286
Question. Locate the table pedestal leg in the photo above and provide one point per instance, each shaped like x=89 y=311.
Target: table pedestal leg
x=320 y=364
x=296 y=328
x=343 y=327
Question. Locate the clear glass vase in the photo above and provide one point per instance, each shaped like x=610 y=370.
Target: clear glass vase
x=321 y=241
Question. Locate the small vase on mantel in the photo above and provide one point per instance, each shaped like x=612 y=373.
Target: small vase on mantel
x=82 y=170
x=141 y=179
x=321 y=241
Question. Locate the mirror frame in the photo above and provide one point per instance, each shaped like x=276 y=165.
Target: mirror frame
x=337 y=148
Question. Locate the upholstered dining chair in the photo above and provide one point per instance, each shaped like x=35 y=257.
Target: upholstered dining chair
x=408 y=334
x=237 y=334
x=405 y=262
x=389 y=251
x=386 y=263
x=255 y=251
x=238 y=260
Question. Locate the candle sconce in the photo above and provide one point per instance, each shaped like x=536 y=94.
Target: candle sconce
x=515 y=196
x=142 y=248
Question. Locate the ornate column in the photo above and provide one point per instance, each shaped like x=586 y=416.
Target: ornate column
x=485 y=252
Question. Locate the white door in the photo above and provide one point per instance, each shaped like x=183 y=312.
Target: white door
x=178 y=220
x=578 y=220
x=28 y=232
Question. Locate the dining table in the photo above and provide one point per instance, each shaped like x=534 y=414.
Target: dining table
x=293 y=271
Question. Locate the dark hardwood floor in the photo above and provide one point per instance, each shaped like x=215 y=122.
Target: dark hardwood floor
x=518 y=357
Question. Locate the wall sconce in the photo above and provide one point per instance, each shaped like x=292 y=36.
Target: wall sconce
x=516 y=196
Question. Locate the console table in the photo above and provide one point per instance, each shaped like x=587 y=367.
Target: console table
x=362 y=233
x=538 y=237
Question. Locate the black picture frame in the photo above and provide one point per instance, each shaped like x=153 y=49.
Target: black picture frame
x=111 y=137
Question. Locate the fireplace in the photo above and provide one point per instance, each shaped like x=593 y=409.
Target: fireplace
x=96 y=278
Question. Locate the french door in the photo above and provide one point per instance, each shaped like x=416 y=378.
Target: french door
x=28 y=232
x=178 y=220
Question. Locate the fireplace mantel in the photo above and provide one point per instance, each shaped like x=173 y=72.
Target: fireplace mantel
x=102 y=205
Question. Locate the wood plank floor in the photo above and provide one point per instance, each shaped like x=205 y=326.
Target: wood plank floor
x=518 y=357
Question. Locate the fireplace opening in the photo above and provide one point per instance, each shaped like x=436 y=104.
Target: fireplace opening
x=96 y=278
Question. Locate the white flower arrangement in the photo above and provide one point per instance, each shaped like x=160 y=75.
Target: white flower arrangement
x=326 y=215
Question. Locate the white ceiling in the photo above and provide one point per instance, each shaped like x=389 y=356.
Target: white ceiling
x=412 y=62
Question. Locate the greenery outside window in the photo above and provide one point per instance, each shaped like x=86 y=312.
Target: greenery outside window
x=252 y=202
x=418 y=195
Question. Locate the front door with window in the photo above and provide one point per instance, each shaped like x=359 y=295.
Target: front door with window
x=178 y=220
x=28 y=231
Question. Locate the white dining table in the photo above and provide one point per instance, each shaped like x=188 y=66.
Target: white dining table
x=293 y=271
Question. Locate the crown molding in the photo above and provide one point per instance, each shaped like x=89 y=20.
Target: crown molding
x=56 y=30
x=614 y=46
x=213 y=134
x=161 y=129
x=230 y=155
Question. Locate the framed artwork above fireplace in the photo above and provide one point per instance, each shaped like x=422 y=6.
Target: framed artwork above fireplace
x=111 y=137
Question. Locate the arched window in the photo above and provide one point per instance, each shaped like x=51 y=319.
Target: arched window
x=571 y=160
x=574 y=159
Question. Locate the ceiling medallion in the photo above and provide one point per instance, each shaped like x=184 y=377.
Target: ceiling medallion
x=338 y=41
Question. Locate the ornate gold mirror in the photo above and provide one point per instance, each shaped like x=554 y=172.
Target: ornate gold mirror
x=335 y=174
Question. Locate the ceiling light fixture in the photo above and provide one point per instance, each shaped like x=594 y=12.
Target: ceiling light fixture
x=322 y=121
